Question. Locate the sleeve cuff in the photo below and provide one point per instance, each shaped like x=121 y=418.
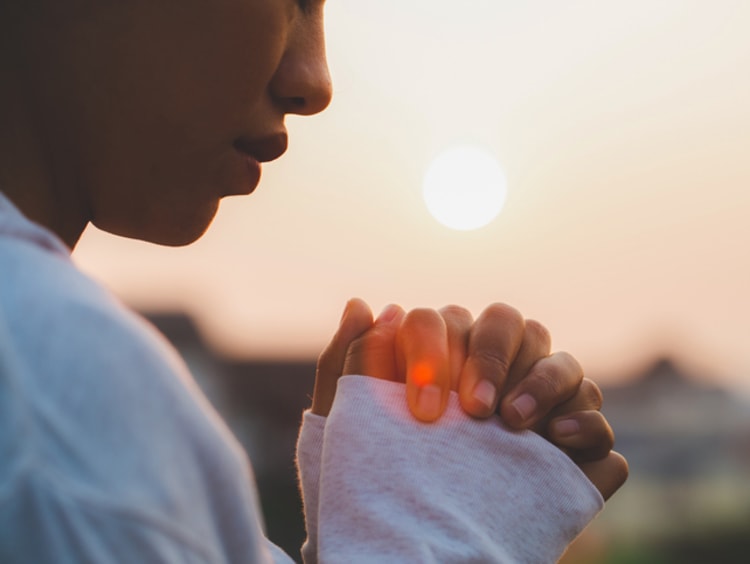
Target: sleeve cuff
x=495 y=493
x=309 y=448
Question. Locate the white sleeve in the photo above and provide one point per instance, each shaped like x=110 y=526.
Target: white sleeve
x=385 y=487
x=309 y=448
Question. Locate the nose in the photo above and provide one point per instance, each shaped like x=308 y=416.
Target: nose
x=302 y=82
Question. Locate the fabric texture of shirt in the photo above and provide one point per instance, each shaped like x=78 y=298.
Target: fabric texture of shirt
x=110 y=453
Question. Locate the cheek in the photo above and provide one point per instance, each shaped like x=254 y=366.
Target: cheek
x=224 y=71
x=199 y=91
x=186 y=73
x=158 y=163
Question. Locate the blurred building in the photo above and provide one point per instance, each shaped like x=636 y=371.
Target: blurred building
x=688 y=495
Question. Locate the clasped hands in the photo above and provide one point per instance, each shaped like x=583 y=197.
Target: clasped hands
x=499 y=363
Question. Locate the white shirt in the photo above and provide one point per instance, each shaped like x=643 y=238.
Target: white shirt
x=109 y=452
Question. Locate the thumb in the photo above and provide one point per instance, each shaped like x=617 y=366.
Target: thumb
x=356 y=319
x=373 y=353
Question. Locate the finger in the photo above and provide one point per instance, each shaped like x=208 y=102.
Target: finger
x=535 y=346
x=356 y=319
x=458 y=322
x=588 y=397
x=374 y=353
x=422 y=343
x=608 y=474
x=551 y=381
x=494 y=342
x=585 y=435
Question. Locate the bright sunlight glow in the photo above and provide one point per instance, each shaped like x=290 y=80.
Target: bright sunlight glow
x=464 y=188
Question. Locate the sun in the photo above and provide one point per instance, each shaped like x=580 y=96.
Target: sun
x=464 y=188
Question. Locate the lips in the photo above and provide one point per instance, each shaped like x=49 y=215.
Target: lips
x=254 y=152
x=263 y=149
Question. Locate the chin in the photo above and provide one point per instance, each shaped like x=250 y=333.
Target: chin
x=173 y=239
x=169 y=230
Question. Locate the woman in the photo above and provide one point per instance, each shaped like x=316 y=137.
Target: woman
x=139 y=116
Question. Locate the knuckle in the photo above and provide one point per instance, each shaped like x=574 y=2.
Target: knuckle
x=623 y=469
x=598 y=439
x=419 y=317
x=538 y=332
x=491 y=361
x=504 y=311
x=591 y=394
x=564 y=368
x=547 y=381
x=606 y=435
x=608 y=442
x=421 y=328
x=455 y=312
x=570 y=363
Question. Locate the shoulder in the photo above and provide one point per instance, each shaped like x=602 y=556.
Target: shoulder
x=60 y=321
x=95 y=402
x=74 y=350
x=98 y=394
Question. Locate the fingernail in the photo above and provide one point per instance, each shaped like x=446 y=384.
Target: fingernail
x=485 y=393
x=428 y=402
x=567 y=428
x=525 y=405
x=388 y=314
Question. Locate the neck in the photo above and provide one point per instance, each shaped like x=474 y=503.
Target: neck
x=29 y=175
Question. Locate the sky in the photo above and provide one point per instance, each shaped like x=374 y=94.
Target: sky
x=623 y=129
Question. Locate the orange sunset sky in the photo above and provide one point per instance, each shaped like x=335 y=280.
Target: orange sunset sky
x=624 y=132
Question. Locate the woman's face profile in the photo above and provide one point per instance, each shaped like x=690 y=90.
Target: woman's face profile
x=152 y=110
